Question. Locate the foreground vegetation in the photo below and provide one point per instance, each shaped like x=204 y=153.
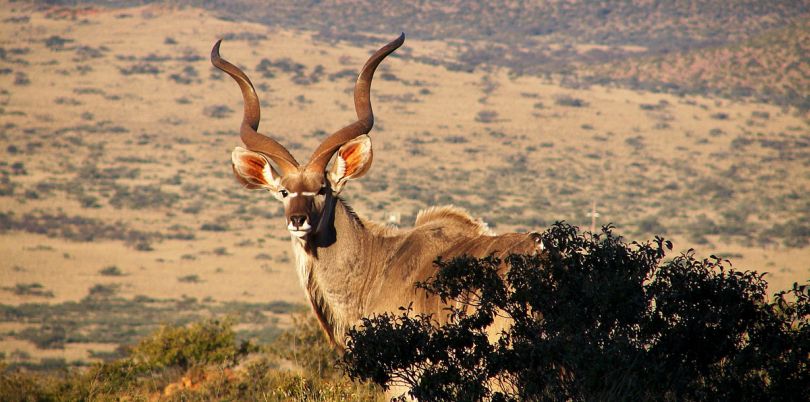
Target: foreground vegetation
x=595 y=319
x=200 y=362
x=103 y=318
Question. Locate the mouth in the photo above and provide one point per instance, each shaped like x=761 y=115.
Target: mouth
x=299 y=233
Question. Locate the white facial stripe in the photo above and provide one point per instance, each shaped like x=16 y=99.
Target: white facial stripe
x=304 y=193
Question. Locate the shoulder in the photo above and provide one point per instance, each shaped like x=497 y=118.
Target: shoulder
x=450 y=215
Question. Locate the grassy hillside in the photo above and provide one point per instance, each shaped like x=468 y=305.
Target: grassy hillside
x=575 y=39
x=758 y=58
x=116 y=136
x=772 y=66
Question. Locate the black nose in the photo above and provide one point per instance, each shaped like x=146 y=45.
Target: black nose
x=298 y=220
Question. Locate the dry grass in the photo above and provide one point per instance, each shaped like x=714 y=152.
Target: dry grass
x=114 y=122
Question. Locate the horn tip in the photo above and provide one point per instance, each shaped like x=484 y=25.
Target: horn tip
x=215 y=51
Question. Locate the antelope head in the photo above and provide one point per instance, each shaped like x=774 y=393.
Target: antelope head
x=308 y=191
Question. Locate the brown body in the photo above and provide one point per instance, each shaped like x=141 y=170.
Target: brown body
x=349 y=267
x=369 y=269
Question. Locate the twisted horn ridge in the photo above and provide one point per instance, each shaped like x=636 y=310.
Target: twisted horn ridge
x=362 y=105
x=250 y=122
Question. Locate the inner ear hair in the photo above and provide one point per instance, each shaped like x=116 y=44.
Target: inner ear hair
x=245 y=182
x=355 y=157
x=253 y=170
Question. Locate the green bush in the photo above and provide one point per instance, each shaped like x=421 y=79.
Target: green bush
x=594 y=319
x=200 y=362
x=202 y=343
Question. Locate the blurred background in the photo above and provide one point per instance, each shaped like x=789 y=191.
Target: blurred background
x=119 y=213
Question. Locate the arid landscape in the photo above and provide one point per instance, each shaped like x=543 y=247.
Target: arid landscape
x=119 y=212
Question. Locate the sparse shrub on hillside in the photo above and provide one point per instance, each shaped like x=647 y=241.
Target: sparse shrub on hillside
x=649 y=225
x=760 y=115
x=112 y=270
x=794 y=234
x=21 y=79
x=84 y=53
x=18 y=169
x=637 y=142
x=6 y=186
x=567 y=100
x=141 y=197
x=29 y=289
x=194 y=278
x=102 y=291
x=140 y=68
x=594 y=319
x=456 y=139
x=76 y=228
x=56 y=42
x=217 y=111
x=246 y=36
x=187 y=76
x=214 y=227
x=487 y=116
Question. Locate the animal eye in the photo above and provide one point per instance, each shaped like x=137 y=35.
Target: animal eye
x=284 y=193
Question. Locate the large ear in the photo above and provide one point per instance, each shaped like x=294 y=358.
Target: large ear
x=353 y=160
x=253 y=170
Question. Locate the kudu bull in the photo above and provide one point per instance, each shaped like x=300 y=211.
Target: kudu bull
x=350 y=267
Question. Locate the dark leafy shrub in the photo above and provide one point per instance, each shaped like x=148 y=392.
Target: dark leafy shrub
x=593 y=319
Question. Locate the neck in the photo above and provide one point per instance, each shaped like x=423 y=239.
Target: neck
x=332 y=268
